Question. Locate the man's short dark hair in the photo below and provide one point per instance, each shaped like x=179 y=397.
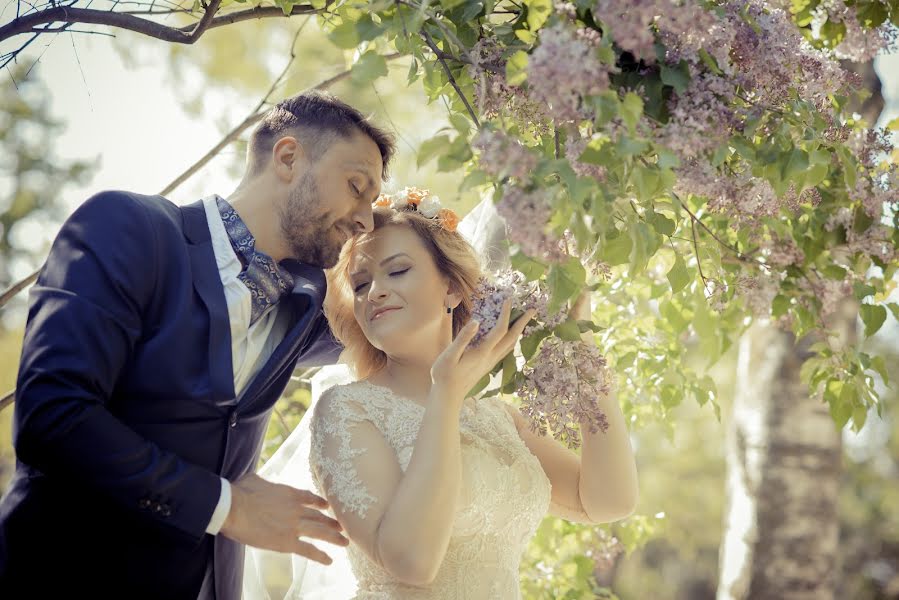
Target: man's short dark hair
x=317 y=119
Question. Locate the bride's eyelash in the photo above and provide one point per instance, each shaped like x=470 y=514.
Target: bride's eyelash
x=359 y=287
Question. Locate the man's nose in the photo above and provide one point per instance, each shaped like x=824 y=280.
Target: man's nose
x=365 y=222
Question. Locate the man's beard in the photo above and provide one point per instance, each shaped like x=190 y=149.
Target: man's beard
x=309 y=236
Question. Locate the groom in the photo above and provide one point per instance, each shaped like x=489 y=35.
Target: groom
x=158 y=340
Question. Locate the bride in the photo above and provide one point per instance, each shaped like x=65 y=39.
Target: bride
x=438 y=493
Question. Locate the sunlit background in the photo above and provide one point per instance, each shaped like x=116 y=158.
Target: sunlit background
x=139 y=112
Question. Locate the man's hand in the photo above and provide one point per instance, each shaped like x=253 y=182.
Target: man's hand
x=273 y=516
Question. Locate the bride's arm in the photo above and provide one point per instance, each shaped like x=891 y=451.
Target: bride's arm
x=600 y=485
x=402 y=521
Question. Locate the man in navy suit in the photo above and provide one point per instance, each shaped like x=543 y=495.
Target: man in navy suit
x=158 y=340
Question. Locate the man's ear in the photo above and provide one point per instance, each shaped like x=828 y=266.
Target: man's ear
x=288 y=157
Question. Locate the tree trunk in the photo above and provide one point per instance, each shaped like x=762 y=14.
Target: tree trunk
x=783 y=458
x=783 y=462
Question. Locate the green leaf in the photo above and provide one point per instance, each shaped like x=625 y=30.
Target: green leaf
x=873 y=316
x=530 y=268
x=597 y=152
x=779 y=306
x=644 y=245
x=795 y=166
x=432 y=147
x=631 y=110
x=894 y=308
x=526 y=36
x=677 y=77
x=617 y=250
x=878 y=363
x=509 y=369
x=863 y=290
x=517 y=68
x=529 y=344
x=460 y=122
x=840 y=410
x=568 y=331
x=538 y=13
x=344 y=35
x=679 y=277
x=368 y=68
x=564 y=281
x=662 y=224
x=893 y=125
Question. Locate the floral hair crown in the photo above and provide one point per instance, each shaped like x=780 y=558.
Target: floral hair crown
x=421 y=201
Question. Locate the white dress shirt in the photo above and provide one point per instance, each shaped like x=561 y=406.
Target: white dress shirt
x=251 y=346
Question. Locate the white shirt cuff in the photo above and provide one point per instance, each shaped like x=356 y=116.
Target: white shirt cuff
x=221 y=509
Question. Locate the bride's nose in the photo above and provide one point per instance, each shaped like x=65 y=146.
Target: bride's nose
x=376 y=291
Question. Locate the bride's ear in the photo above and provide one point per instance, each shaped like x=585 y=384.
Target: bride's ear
x=453 y=298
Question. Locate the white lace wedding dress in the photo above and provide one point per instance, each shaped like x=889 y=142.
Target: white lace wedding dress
x=504 y=492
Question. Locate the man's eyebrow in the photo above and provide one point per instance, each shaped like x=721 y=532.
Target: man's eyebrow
x=363 y=168
x=383 y=262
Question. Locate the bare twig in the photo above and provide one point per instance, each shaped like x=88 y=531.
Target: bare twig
x=121 y=20
x=18 y=287
x=698 y=259
x=7 y=399
x=254 y=117
x=430 y=42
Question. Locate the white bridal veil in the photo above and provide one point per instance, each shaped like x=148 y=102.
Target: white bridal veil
x=271 y=575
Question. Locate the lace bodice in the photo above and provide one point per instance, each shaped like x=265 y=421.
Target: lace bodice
x=504 y=491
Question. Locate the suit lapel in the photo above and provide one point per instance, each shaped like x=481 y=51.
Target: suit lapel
x=305 y=303
x=208 y=284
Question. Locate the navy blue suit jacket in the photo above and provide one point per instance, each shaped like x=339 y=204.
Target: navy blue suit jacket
x=125 y=413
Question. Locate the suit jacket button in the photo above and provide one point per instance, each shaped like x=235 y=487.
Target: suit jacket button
x=166 y=511
x=143 y=503
x=233 y=420
x=157 y=507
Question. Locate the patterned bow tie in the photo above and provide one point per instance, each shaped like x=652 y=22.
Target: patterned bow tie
x=265 y=279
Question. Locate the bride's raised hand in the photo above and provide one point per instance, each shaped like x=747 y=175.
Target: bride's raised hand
x=459 y=367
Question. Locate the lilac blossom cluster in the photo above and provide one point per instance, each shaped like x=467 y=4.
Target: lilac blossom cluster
x=702 y=117
x=526 y=213
x=490 y=294
x=745 y=198
x=502 y=156
x=858 y=44
x=563 y=69
x=561 y=390
x=493 y=94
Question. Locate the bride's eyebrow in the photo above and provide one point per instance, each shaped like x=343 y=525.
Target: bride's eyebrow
x=381 y=264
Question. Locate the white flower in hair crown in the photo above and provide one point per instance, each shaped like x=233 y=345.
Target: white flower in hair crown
x=422 y=201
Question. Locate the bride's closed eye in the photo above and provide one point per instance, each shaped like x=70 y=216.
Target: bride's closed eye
x=362 y=285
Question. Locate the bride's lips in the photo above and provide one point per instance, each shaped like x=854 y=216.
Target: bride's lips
x=387 y=309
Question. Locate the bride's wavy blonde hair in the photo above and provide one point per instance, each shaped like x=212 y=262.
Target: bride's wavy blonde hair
x=452 y=254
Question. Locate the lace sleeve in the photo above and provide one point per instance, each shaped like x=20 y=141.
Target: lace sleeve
x=333 y=453
x=352 y=464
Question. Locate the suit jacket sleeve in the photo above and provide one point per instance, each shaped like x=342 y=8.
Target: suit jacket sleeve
x=84 y=320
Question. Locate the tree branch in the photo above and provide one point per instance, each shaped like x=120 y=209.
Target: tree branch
x=121 y=20
x=18 y=287
x=254 y=117
x=430 y=42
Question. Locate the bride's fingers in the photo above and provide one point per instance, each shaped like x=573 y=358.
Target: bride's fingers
x=457 y=347
x=507 y=344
